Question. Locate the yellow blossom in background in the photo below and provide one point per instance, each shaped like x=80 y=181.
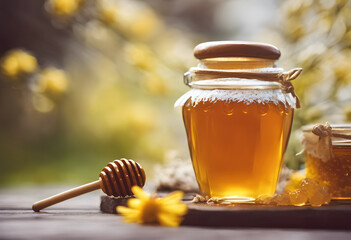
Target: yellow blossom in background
x=52 y=80
x=108 y=16
x=63 y=8
x=341 y=66
x=17 y=62
x=145 y=24
x=141 y=116
x=145 y=209
x=107 y=11
x=155 y=84
x=42 y=103
x=347 y=112
x=140 y=55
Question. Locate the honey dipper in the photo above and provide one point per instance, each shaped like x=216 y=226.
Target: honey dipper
x=116 y=179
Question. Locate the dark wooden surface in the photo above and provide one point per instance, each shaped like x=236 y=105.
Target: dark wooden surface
x=337 y=215
x=80 y=218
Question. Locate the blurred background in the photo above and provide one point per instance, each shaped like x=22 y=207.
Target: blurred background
x=83 y=82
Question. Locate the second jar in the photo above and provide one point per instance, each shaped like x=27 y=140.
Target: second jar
x=237 y=117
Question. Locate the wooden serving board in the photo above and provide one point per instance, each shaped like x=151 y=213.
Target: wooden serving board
x=337 y=215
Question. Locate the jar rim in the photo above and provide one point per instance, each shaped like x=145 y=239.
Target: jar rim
x=198 y=77
x=234 y=83
x=337 y=128
x=341 y=128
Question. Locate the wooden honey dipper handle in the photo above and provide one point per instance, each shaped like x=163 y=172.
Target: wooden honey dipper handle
x=116 y=179
x=66 y=195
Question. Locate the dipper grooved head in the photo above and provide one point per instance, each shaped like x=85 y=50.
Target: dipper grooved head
x=118 y=177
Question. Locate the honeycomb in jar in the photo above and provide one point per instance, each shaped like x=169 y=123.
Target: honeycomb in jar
x=335 y=173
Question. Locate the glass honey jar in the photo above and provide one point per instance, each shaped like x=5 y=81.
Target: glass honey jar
x=237 y=115
x=328 y=157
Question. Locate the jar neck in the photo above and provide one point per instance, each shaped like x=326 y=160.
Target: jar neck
x=241 y=73
x=227 y=70
x=254 y=78
x=235 y=63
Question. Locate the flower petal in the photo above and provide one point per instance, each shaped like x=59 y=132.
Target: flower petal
x=169 y=220
x=130 y=215
x=140 y=193
x=133 y=218
x=134 y=203
x=177 y=209
x=124 y=210
x=173 y=197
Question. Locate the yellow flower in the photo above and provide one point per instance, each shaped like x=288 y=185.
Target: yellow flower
x=63 y=7
x=17 y=62
x=145 y=24
x=42 y=104
x=107 y=11
x=155 y=84
x=140 y=55
x=141 y=117
x=52 y=80
x=347 y=113
x=108 y=15
x=145 y=209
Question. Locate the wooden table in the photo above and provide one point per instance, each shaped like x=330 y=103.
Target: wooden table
x=80 y=218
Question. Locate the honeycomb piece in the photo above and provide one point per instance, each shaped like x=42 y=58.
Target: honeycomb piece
x=309 y=191
x=264 y=199
x=317 y=199
x=321 y=196
x=282 y=199
x=309 y=186
x=326 y=192
x=317 y=194
x=298 y=198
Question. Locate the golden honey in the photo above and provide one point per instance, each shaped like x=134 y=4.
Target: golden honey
x=237 y=147
x=335 y=173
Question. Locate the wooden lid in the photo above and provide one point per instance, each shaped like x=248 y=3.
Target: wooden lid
x=236 y=49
